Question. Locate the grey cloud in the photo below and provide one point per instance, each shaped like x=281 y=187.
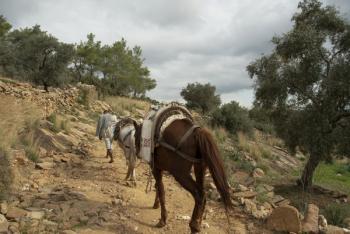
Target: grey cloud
x=183 y=41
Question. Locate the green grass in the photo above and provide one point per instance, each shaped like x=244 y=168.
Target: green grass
x=334 y=176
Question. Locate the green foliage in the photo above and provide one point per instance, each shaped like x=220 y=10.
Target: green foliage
x=305 y=86
x=6 y=48
x=35 y=55
x=4 y=26
x=201 y=96
x=335 y=176
x=261 y=120
x=6 y=174
x=121 y=68
x=337 y=213
x=83 y=97
x=40 y=57
x=233 y=117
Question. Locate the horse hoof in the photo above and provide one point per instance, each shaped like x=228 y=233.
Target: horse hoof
x=155 y=206
x=160 y=224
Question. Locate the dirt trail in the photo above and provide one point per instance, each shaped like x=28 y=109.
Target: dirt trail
x=89 y=195
x=104 y=182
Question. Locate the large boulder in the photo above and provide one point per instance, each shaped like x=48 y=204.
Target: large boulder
x=284 y=218
x=310 y=222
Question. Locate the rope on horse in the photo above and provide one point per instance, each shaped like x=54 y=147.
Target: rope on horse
x=149 y=180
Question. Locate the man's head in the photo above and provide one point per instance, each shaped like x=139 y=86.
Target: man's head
x=107 y=111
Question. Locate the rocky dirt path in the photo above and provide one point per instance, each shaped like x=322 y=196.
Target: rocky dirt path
x=104 y=183
x=86 y=194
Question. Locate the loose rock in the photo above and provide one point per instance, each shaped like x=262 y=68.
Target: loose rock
x=258 y=173
x=284 y=218
x=45 y=165
x=3 y=208
x=15 y=212
x=4 y=224
x=310 y=223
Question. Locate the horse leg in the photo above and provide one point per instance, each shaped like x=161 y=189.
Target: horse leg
x=127 y=160
x=199 y=171
x=190 y=185
x=157 y=173
x=156 y=200
x=132 y=165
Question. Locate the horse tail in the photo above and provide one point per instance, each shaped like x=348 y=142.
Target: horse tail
x=210 y=154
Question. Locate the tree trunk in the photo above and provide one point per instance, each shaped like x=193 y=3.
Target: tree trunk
x=306 y=178
x=46 y=87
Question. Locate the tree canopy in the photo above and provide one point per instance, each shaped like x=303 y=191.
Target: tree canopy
x=115 y=69
x=35 y=55
x=305 y=84
x=201 y=96
x=40 y=57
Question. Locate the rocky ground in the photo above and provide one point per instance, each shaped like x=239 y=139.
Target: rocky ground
x=83 y=192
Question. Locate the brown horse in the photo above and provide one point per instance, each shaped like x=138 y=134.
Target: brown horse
x=199 y=145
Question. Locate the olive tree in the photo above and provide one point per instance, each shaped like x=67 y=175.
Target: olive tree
x=305 y=84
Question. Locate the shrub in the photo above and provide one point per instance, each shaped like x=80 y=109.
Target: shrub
x=201 y=96
x=65 y=126
x=233 y=117
x=337 y=213
x=83 y=97
x=30 y=146
x=6 y=174
x=55 y=123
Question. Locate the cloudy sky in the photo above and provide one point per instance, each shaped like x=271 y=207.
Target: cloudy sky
x=183 y=41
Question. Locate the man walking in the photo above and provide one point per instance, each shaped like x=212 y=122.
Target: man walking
x=105 y=130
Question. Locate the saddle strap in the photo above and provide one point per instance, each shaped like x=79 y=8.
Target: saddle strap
x=182 y=140
x=183 y=155
x=186 y=135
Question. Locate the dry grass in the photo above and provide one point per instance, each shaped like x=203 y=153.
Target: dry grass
x=127 y=106
x=15 y=115
x=59 y=123
x=220 y=134
x=256 y=150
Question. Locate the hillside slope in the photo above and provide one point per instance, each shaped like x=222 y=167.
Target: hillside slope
x=66 y=183
x=59 y=181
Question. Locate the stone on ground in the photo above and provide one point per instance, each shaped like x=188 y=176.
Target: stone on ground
x=15 y=213
x=4 y=224
x=310 y=222
x=284 y=218
x=258 y=173
x=45 y=165
x=3 y=208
